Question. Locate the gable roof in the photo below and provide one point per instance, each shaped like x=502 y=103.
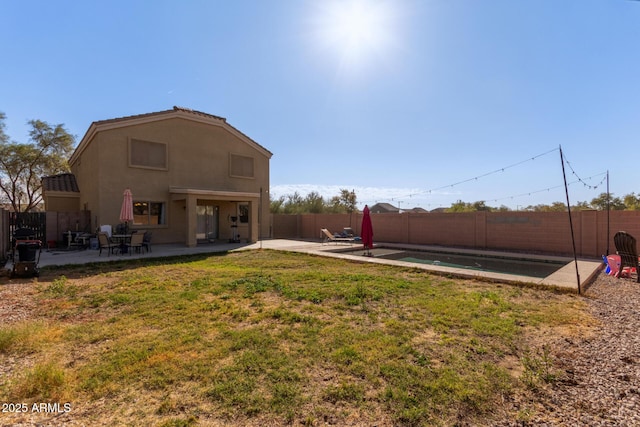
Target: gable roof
x=418 y=209
x=62 y=182
x=383 y=208
x=176 y=112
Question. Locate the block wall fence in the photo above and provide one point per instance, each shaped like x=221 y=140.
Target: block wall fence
x=531 y=232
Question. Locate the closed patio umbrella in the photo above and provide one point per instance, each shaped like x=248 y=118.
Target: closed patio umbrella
x=126 y=212
x=366 y=232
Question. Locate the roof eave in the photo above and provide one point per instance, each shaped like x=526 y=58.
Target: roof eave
x=194 y=116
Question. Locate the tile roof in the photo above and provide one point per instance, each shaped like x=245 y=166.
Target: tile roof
x=383 y=208
x=62 y=182
x=157 y=113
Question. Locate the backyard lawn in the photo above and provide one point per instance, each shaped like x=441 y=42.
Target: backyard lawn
x=263 y=338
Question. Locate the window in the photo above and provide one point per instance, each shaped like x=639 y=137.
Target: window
x=241 y=166
x=149 y=213
x=147 y=154
x=243 y=213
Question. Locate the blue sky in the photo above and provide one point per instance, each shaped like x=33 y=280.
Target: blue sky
x=399 y=100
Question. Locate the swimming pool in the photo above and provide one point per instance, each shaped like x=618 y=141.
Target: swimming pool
x=507 y=264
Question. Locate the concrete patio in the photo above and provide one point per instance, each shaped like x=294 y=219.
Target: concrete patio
x=565 y=278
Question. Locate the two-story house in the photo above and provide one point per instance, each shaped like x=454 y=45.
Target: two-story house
x=191 y=174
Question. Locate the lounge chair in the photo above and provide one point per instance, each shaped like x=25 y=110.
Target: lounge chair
x=327 y=236
x=627 y=249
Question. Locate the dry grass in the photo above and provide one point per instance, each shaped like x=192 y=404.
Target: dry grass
x=270 y=338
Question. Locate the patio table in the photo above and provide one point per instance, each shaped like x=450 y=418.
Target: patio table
x=122 y=240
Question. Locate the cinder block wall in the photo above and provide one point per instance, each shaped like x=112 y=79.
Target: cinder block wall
x=532 y=232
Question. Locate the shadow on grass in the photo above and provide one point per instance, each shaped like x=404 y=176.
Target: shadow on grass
x=81 y=270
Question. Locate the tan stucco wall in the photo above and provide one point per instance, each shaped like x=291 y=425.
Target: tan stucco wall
x=57 y=201
x=87 y=172
x=198 y=158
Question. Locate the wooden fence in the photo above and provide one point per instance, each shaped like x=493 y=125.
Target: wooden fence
x=48 y=227
x=35 y=221
x=60 y=223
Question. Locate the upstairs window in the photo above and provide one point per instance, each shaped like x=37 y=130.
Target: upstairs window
x=147 y=154
x=241 y=166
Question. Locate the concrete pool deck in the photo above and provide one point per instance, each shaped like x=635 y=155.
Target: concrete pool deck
x=565 y=278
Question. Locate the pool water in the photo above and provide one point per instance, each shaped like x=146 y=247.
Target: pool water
x=480 y=262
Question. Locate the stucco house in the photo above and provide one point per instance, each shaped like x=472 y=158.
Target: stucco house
x=190 y=173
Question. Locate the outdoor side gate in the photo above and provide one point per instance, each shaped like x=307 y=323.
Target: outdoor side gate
x=36 y=221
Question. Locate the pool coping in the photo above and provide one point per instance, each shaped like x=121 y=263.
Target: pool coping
x=565 y=278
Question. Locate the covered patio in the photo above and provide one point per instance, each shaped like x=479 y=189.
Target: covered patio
x=199 y=222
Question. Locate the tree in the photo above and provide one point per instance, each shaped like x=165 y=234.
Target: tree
x=558 y=207
x=345 y=202
x=314 y=203
x=581 y=206
x=461 y=206
x=481 y=206
x=277 y=206
x=22 y=166
x=294 y=204
x=632 y=202
x=600 y=202
x=554 y=207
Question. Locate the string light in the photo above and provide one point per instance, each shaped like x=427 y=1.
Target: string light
x=591 y=187
x=475 y=178
x=552 y=188
x=500 y=170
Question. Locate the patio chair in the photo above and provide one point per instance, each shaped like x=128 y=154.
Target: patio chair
x=146 y=241
x=105 y=243
x=628 y=251
x=106 y=229
x=135 y=243
x=327 y=236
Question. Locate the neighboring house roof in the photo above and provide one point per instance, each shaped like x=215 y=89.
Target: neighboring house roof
x=176 y=112
x=63 y=182
x=418 y=210
x=383 y=208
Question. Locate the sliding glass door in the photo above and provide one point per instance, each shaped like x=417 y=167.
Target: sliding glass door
x=207 y=225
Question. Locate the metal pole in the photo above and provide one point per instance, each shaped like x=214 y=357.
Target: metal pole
x=260 y=219
x=573 y=240
x=608 y=212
